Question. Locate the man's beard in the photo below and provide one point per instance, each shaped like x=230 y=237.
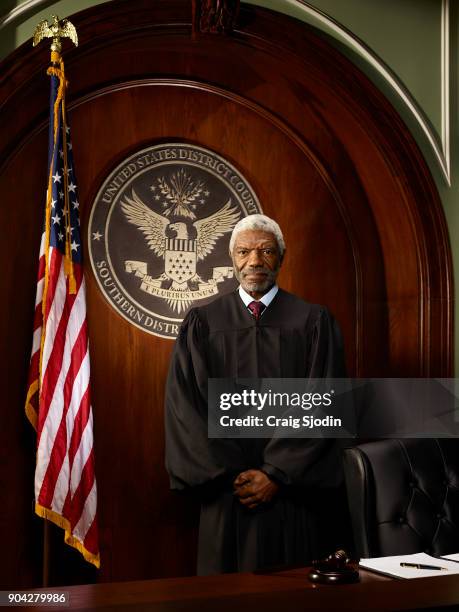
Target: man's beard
x=259 y=286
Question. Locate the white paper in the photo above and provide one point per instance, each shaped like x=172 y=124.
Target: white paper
x=391 y=565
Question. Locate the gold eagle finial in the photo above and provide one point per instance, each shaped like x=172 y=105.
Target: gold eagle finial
x=55 y=30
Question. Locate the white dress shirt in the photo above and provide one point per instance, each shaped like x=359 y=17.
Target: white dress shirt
x=266 y=299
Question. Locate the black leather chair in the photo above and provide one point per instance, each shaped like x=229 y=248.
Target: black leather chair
x=403 y=496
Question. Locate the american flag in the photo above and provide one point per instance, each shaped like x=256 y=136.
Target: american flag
x=58 y=400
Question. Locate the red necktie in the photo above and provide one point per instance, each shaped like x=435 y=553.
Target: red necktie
x=256 y=308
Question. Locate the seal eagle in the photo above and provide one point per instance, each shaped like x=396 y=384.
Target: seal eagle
x=154 y=226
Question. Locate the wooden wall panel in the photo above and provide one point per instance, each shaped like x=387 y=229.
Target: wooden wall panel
x=328 y=158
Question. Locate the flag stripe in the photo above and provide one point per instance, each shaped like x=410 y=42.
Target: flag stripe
x=36 y=342
x=91 y=538
x=39 y=294
x=81 y=409
x=79 y=498
x=88 y=514
x=84 y=448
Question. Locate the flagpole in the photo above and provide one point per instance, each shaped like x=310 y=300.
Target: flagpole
x=46 y=553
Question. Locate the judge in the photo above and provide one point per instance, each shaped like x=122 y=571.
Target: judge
x=261 y=499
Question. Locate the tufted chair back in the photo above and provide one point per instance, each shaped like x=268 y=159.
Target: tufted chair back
x=404 y=496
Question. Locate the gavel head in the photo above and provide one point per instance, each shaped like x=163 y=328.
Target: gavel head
x=338 y=559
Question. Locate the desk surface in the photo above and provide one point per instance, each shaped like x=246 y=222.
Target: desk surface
x=275 y=592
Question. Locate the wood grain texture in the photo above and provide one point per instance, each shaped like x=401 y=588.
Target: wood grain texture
x=328 y=158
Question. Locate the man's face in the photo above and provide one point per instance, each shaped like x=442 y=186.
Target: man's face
x=256 y=261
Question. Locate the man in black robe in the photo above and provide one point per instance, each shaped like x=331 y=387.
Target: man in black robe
x=262 y=500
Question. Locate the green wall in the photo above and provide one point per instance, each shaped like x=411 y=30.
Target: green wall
x=399 y=44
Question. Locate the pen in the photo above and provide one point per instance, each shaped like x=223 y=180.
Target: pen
x=446 y=559
x=425 y=567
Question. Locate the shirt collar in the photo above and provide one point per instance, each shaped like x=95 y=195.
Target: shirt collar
x=267 y=298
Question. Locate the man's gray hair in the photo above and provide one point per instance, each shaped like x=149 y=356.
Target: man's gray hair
x=258 y=222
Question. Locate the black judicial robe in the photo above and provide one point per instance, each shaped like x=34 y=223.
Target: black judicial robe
x=292 y=339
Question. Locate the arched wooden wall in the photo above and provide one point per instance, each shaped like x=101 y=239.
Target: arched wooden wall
x=328 y=157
